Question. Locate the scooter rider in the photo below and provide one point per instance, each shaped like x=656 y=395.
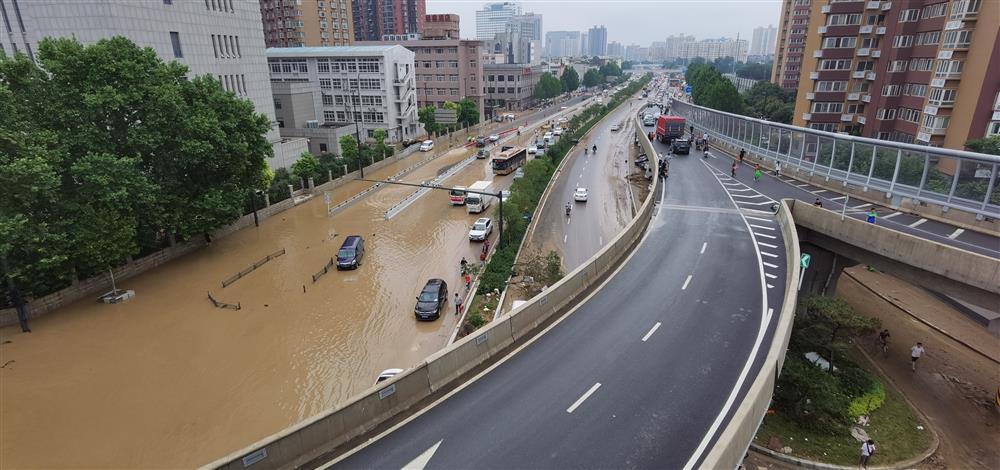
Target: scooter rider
x=569 y=207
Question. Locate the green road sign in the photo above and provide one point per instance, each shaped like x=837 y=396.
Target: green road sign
x=804 y=262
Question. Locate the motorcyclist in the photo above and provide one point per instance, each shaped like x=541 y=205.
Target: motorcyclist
x=595 y=148
x=569 y=207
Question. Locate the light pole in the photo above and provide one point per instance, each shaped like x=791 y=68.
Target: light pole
x=357 y=127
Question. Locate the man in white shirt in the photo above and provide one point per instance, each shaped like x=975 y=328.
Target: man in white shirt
x=915 y=352
x=867 y=451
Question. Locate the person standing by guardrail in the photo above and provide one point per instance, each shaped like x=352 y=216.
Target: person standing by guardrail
x=872 y=215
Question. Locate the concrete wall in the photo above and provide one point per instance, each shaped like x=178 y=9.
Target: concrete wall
x=735 y=438
x=332 y=428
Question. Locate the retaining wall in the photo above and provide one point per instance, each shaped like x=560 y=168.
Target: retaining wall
x=332 y=428
x=736 y=437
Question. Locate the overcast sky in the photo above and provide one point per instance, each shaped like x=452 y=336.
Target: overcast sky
x=634 y=21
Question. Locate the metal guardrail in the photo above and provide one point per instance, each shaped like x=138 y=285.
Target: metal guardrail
x=951 y=178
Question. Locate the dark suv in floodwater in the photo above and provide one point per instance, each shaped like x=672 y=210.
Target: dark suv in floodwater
x=431 y=300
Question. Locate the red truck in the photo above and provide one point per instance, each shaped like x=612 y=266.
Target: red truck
x=669 y=128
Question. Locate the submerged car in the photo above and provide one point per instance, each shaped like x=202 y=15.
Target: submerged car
x=481 y=229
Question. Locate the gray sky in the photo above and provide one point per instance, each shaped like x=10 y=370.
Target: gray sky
x=634 y=21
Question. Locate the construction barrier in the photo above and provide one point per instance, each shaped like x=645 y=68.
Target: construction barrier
x=322 y=272
x=218 y=304
x=252 y=268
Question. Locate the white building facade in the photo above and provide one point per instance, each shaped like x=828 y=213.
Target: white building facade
x=373 y=87
x=220 y=38
x=493 y=19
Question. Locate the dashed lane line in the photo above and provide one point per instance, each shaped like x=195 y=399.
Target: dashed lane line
x=686 y=282
x=762 y=227
x=584 y=397
x=956 y=233
x=651 y=331
x=917 y=223
x=891 y=215
x=703 y=246
x=772 y=237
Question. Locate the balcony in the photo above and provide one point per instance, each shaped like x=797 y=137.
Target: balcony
x=877 y=53
x=818 y=53
x=863 y=52
x=853 y=96
x=866 y=29
x=825 y=9
x=880 y=30
x=872 y=5
x=953 y=24
x=964 y=15
x=867 y=98
x=810 y=96
x=939 y=103
x=870 y=76
x=821 y=30
x=861 y=120
x=807 y=116
x=931 y=110
x=947 y=76
x=846 y=117
x=814 y=75
x=923 y=137
x=858 y=74
x=886 y=6
x=934 y=130
x=945 y=55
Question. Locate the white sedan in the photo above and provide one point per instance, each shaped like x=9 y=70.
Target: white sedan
x=580 y=195
x=494 y=137
x=615 y=127
x=427 y=146
x=532 y=150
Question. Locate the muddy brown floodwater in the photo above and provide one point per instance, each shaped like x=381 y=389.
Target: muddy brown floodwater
x=167 y=380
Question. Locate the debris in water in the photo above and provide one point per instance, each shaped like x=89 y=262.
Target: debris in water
x=4 y=366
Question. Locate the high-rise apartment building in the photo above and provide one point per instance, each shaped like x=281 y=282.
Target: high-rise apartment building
x=300 y=23
x=222 y=39
x=597 y=39
x=711 y=49
x=899 y=70
x=494 y=17
x=585 y=44
x=529 y=25
x=675 y=46
x=791 y=43
x=616 y=49
x=376 y=20
x=763 y=41
x=562 y=44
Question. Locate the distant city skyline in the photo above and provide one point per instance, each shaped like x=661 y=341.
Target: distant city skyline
x=623 y=26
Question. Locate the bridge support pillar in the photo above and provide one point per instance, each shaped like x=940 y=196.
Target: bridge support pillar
x=824 y=270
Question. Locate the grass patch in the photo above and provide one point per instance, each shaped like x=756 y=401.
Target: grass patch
x=893 y=427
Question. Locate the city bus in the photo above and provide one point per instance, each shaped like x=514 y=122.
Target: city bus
x=509 y=160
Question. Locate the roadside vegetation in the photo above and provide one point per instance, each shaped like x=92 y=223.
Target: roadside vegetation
x=527 y=191
x=820 y=399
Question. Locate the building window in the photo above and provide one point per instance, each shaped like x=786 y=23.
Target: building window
x=277 y=104
x=843 y=20
x=902 y=41
x=325 y=83
x=330 y=116
x=897 y=66
x=890 y=90
x=943 y=95
x=907 y=16
x=175 y=41
x=839 y=42
x=884 y=114
x=934 y=11
x=835 y=64
x=928 y=38
x=831 y=86
x=327 y=100
x=921 y=64
x=827 y=107
x=915 y=89
x=168 y=2
x=936 y=122
x=957 y=39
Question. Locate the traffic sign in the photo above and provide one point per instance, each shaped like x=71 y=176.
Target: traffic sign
x=804 y=262
x=687 y=89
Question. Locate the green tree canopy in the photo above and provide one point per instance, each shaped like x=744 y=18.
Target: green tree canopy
x=307 y=166
x=468 y=112
x=570 y=79
x=769 y=101
x=990 y=145
x=610 y=69
x=426 y=117
x=548 y=86
x=350 y=151
x=592 y=78
x=122 y=151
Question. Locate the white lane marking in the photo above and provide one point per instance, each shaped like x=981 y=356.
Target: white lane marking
x=768 y=245
x=686 y=281
x=770 y=286
x=758 y=218
x=770 y=276
x=585 y=396
x=770 y=255
x=568 y=219
x=775 y=266
x=862 y=206
x=841 y=198
x=772 y=237
x=703 y=246
x=956 y=233
x=803 y=185
x=820 y=191
x=770 y=312
x=765 y=203
x=891 y=215
x=421 y=461
x=600 y=240
x=744 y=189
x=917 y=223
x=763 y=227
x=651 y=331
x=789 y=181
x=565 y=237
x=752 y=196
x=761 y=330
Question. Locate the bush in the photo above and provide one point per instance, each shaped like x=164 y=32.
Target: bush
x=811 y=396
x=476 y=319
x=868 y=402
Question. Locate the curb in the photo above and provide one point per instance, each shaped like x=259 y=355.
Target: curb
x=921 y=320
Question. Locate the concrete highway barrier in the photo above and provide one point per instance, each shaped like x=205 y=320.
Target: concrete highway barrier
x=332 y=428
x=735 y=438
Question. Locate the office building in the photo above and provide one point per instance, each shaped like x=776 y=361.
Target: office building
x=221 y=39
x=658 y=51
x=711 y=49
x=636 y=53
x=376 y=20
x=899 y=70
x=515 y=48
x=584 y=44
x=562 y=44
x=441 y=26
x=788 y=51
x=510 y=87
x=597 y=41
x=763 y=41
x=493 y=19
x=674 y=46
x=328 y=88
x=529 y=25
x=298 y=23
x=447 y=70
x=616 y=49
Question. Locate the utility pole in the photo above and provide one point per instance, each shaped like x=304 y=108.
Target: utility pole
x=357 y=128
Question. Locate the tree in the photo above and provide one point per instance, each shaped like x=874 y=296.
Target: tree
x=770 y=102
x=380 y=148
x=548 y=86
x=755 y=71
x=592 y=78
x=826 y=322
x=307 y=166
x=350 y=151
x=570 y=79
x=990 y=145
x=426 y=117
x=626 y=65
x=468 y=112
x=610 y=69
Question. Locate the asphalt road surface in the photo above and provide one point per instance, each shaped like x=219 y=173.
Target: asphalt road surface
x=644 y=373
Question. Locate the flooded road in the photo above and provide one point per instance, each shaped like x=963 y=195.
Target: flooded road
x=166 y=380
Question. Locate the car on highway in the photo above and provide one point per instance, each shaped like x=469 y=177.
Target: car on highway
x=427 y=146
x=532 y=149
x=557 y=131
x=580 y=195
x=482 y=154
x=432 y=298
x=681 y=146
x=387 y=374
x=615 y=127
x=480 y=141
x=540 y=152
x=481 y=230
x=563 y=120
x=494 y=137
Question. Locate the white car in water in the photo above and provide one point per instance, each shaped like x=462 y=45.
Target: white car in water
x=580 y=195
x=481 y=229
x=532 y=150
x=427 y=146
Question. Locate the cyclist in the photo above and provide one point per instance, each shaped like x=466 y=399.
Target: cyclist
x=883 y=340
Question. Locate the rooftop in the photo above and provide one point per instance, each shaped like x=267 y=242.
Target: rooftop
x=334 y=51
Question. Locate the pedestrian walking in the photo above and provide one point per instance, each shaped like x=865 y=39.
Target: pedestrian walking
x=756 y=174
x=464 y=264
x=872 y=215
x=458 y=304
x=743 y=153
x=867 y=451
x=468 y=282
x=777 y=168
x=733 y=169
x=915 y=352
